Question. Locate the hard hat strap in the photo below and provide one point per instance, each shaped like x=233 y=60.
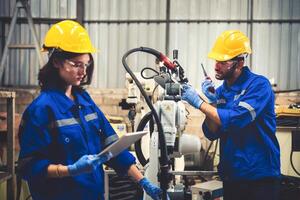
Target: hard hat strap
x=243 y=56
x=50 y=52
x=231 y=69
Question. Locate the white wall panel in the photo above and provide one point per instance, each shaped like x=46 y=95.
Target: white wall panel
x=114 y=40
x=276 y=53
x=275 y=45
x=213 y=9
x=42 y=8
x=125 y=9
x=276 y=9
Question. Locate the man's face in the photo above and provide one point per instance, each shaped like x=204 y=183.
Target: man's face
x=225 y=69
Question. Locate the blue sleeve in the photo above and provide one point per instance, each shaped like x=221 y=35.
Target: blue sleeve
x=208 y=134
x=249 y=107
x=124 y=160
x=34 y=144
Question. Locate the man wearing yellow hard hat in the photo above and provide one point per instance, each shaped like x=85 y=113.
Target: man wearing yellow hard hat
x=62 y=130
x=241 y=114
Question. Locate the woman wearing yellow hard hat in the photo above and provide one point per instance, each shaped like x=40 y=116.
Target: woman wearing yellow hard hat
x=63 y=130
x=240 y=114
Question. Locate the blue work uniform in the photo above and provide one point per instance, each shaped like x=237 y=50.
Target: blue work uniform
x=57 y=130
x=249 y=149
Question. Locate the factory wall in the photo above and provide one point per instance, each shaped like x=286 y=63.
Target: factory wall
x=192 y=27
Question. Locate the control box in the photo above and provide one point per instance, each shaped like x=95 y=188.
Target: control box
x=210 y=190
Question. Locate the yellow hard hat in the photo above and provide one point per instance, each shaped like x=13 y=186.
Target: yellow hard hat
x=69 y=36
x=229 y=45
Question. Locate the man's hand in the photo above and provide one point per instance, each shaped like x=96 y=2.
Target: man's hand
x=87 y=163
x=207 y=86
x=190 y=95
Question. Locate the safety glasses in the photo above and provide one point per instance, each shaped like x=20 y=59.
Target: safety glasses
x=226 y=63
x=78 y=64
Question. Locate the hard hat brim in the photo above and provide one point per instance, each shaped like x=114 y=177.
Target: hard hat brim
x=219 y=57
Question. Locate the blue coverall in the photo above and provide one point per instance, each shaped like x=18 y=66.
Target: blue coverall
x=57 y=130
x=249 y=149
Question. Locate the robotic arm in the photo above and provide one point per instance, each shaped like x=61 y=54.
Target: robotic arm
x=164 y=161
x=169 y=116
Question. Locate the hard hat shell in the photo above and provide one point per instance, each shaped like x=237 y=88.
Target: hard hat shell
x=69 y=36
x=230 y=44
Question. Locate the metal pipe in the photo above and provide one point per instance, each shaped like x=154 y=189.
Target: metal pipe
x=10 y=33
x=251 y=31
x=31 y=26
x=52 y=20
x=167 y=27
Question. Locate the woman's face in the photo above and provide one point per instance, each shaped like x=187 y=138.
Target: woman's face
x=73 y=70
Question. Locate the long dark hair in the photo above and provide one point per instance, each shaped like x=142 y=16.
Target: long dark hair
x=49 y=77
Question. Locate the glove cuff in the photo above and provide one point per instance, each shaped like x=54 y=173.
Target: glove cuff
x=72 y=169
x=199 y=103
x=143 y=182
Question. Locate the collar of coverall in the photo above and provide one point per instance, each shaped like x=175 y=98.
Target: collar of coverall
x=65 y=103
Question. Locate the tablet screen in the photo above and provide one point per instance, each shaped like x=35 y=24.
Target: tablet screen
x=123 y=143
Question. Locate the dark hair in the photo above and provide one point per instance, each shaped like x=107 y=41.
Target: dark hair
x=237 y=58
x=49 y=77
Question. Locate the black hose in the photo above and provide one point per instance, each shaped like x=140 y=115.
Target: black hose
x=137 y=145
x=292 y=164
x=164 y=159
x=151 y=69
x=156 y=86
x=203 y=166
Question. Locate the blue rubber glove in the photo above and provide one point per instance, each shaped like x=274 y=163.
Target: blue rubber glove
x=152 y=190
x=190 y=95
x=206 y=85
x=87 y=164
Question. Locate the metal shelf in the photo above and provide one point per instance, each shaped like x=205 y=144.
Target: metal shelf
x=8 y=174
x=4 y=176
x=287 y=128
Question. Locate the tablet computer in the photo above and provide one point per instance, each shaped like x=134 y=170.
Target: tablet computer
x=123 y=143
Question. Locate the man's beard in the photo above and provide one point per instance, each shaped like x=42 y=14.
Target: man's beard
x=228 y=74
